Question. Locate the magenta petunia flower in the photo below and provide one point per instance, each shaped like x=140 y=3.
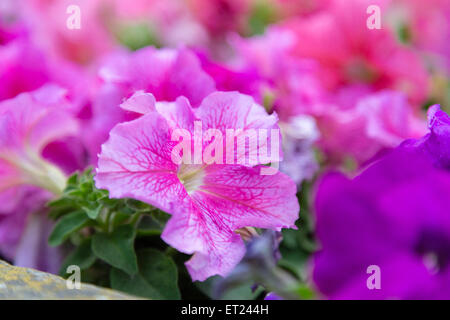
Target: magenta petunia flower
x=386 y=233
x=24 y=67
x=166 y=73
x=221 y=16
x=208 y=202
x=436 y=144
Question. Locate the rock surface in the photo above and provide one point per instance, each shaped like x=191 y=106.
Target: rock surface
x=27 y=284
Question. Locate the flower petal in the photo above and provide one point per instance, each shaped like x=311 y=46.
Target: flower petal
x=136 y=162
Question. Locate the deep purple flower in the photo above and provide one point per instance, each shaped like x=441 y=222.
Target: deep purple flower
x=395 y=216
x=436 y=144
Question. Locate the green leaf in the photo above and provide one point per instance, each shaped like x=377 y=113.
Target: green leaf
x=67 y=225
x=117 y=248
x=72 y=180
x=60 y=203
x=93 y=212
x=157 y=277
x=82 y=256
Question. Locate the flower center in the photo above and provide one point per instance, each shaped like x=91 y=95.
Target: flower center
x=191 y=176
x=360 y=71
x=434 y=247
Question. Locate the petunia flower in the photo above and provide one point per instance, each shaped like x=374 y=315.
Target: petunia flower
x=25 y=67
x=10 y=25
x=272 y=296
x=363 y=128
x=29 y=123
x=54 y=25
x=349 y=53
x=436 y=144
x=208 y=201
x=166 y=73
x=221 y=16
x=426 y=26
x=386 y=233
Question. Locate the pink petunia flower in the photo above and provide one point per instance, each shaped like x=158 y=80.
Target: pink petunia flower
x=426 y=25
x=350 y=53
x=28 y=124
x=24 y=67
x=221 y=16
x=208 y=202
x=363 y=128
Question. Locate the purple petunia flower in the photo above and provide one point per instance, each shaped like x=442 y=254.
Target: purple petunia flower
x=436 y=144
x=393 y=218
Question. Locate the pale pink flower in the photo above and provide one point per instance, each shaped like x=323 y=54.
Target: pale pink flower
x=208 y=203
x=49 y=19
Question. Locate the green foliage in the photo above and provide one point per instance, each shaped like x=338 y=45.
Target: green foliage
x=261 y=16
x=298 y=245
x=117 y=248
x=157 y=277
x=136 y=35
x=67 y=225
x=82 y=256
